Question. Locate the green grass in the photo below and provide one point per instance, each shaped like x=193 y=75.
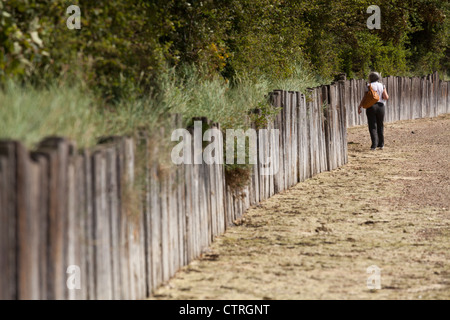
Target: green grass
x=29 y=114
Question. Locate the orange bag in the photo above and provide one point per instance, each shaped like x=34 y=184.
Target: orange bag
x=370 y=98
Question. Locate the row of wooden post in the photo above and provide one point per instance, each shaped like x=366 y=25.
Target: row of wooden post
x=112 y=222
x=409 y=98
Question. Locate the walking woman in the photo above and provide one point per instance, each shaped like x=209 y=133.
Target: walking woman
x=375 y=113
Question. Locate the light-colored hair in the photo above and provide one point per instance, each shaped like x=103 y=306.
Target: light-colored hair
x=374 y=76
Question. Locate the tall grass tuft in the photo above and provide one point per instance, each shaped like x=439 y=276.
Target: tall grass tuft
x=71 y=110
x=28 y=114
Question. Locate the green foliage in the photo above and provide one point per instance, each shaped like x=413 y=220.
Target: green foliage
x=263 y=114
x=29 y=114
x=123 y=46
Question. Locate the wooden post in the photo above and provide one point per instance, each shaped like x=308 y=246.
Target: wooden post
x=102 y=237
x=8 y=220
x=40 y=211
x=57 y=152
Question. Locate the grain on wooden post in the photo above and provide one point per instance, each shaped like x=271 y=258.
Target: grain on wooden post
x=327 y=129
x=82 y=237
x=359 y=93
x=442 y=97
x=343 y=116
x=197 y=204
x=387 y=115
x=173 y=222
x=302 y=139
x=266 y=157
x=27 y=224
x=402 y=106
x=222 y=190
x=295 y=138
x=362 y=85
x=321 y=102
x=448 y=97
x=335 y=126
x=125 y=151
x=155 y=221
x=165 y=260
x=181 y=214
x=40 y=209
x=8 y=221
x=179 y=195
x=196 y=211
x=57 y=151
x=89 y=243
x=230 y=209
x=309 y=136
x=142 y=277
x=281 y=123
x=308 y=121
x=268 y=151
x=204 y=213
x=272 y=151
x=102 y=237
x=435 y=82
x=314 y=134
x=355 y=103
x=347 y=102
x=431 y=105
x=207 y=203
x=393 y=97
x=135 y=219
x=213 y=194
x=433 y=96
x=388 y=107
x=254 y=192
x=420 y=98
x=414 y=98
x=352 y=114
x=293 y=142
x=407 y=97
x=189 y=210
x=263 y=144
x=287 y=138
x=112 y=180
x=356 y=93
x=75 y=232
x=298 y=138
x=424 y=97
x=410 y=98
x=277 y=124
x=324 y=105
x=19 y=223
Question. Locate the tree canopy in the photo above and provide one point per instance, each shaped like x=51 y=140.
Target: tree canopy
x=125 y=44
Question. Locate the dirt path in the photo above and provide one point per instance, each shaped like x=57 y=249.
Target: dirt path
x=387 y=208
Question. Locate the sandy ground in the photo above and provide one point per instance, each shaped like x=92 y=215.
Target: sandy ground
x=388 y=208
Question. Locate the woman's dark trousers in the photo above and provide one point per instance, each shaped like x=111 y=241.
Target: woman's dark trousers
x=375 y=118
